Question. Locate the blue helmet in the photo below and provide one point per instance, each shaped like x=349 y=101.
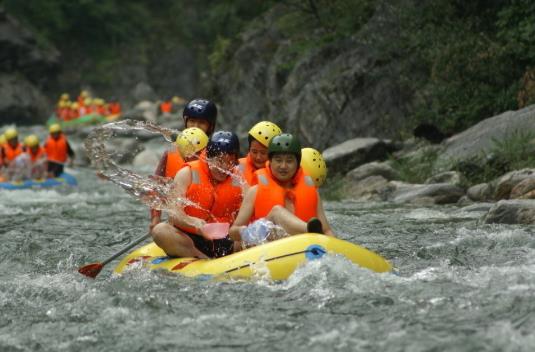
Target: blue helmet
x=201 y=109
x=223 y=142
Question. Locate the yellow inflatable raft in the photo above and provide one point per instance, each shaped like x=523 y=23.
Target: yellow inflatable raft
x=280 y=257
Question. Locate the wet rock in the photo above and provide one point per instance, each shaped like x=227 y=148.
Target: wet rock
x=481 y=192
x=477 y=207
x=144 y=92
x=525 y=189
x=506 y=183
x=374 y=187
x=438 y=193
x=343 y=157
x=512 y=212
x=373 y=169
x=451 y=177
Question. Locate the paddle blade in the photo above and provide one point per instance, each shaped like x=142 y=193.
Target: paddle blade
x=91 y=270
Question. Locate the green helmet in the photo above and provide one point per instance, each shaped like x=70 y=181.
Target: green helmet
x=285 y=143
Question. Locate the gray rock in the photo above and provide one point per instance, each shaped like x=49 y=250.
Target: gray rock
x=370 y=188
x=143 y=91
x=512 y=212
x=147 y=159
x=373 y=169
x=21 y=102
x=439 y=193
x=451 y=177
x=479 y=139
x=352 y=153
x=481 y=192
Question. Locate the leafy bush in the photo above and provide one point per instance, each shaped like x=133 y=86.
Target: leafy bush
x=416 y=167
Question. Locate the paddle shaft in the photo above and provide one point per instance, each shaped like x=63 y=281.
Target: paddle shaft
x=126 y=249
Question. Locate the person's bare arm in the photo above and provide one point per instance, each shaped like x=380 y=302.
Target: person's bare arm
x=244 y=215
x=178 y=217
x=321 y=216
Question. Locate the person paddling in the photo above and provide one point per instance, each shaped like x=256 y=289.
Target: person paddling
x=37 y=154
x=259 y=137
x=284 y=195
x=213 y=196
x=58 y=150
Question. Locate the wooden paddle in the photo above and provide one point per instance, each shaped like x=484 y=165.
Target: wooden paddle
x=93 y=269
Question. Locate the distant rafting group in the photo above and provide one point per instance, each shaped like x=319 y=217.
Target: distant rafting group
x=83 y=105
x=31 y=160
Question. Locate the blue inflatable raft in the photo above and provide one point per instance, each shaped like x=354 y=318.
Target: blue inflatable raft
x=63 y=179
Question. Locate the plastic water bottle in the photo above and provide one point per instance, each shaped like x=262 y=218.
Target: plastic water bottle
x=257 y=232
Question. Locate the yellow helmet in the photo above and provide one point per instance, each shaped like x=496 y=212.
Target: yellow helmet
x=88 y=101
x=64 y=96
x=264 y=131
x=178 y=100
x=84 y=93
x=191 y=141
x=2 y=139
x=56 y=127
x=75 y=106
x=31 y=141
x=11 y=133
x=313 y=164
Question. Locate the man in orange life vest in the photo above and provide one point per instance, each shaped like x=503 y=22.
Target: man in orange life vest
x=284 y=194
x=37 y=155
x=12 y=148
x=259 y=137
x=57 y=150
x=200 y=113
x=212 y=195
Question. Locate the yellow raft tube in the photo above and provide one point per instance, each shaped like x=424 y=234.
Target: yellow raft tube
x=280 y=257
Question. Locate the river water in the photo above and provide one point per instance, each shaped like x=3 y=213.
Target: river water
x=460 y=285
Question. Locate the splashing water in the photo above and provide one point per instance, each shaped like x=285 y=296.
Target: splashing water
x=154 y=191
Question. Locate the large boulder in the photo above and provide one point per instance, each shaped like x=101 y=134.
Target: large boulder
x=326 y=95
x=482 y=192
x=374 y=168
x=512 y=212
x=343 y=157
x=374 y=187
x=479 y=139
x=505 y=184
x=21 y=102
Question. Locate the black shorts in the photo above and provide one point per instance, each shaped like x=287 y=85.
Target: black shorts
x=212 y=248
x=55 y=169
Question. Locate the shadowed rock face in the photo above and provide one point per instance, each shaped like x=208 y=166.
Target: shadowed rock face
x=329 y=95
x=25 y=69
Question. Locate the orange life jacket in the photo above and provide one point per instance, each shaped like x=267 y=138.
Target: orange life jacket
x=56 y=150
x=166 y=107
x=34 y=157
x=173 y=164
x=11 y=153
x=247 y=170
x=215 y=203
x=269 y=193
x=115 y=108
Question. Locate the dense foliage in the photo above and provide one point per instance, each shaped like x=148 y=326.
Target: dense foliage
x=464 y=60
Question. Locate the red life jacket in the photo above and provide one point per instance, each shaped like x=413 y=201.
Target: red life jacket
x=269 y=193
x=56 y=150
x=174 y=163
x=247 y=170
x=11 y=153
x=34 y=157
x=218 y=202
x=166 y=107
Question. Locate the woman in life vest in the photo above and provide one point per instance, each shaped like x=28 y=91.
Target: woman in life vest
x=57 y=150
x=284 y=194
x=209 y=194
x=259 y=137
x=189 y=144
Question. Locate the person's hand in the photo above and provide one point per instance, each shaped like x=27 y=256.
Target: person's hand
x=198 y=224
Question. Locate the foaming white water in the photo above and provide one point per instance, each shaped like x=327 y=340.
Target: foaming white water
x=422 y=214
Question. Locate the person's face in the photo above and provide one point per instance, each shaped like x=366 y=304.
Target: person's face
x=283 y=166
x=221 y=166
x=34 y=149
x=199 y=123
x=258 y=153
x=13 y=142
x=55 y=135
